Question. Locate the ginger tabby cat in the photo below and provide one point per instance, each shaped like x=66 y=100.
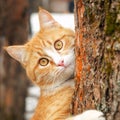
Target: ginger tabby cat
x=49 y=62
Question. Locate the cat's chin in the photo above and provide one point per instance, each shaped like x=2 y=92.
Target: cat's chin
x=67 y=73
x=52 y=89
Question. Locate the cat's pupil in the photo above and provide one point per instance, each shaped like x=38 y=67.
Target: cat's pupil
x=43 y=61
x=58 y=45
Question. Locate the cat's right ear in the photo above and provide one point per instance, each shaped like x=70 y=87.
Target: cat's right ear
x=17 y=52
x=46 y=19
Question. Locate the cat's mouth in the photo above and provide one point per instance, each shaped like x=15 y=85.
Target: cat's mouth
x=65 y=65
x=67 y=80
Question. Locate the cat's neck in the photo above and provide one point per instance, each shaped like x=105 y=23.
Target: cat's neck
x=54 y=104
x=52 y=89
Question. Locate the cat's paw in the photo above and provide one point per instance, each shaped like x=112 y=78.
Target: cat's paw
x=90 y=115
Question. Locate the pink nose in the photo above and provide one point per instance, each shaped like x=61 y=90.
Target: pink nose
x=61 y=63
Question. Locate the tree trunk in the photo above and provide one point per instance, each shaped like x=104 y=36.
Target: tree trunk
x=97 y=27
x=13 y=86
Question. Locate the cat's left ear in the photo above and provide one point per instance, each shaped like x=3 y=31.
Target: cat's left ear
x=17 y=52
x=46 y=20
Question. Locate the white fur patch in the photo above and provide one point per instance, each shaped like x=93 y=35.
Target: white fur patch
x=57 y=57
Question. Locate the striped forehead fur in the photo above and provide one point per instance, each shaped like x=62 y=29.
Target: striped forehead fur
x=39 y=42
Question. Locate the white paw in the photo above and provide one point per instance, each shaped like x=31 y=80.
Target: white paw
x=90 y=115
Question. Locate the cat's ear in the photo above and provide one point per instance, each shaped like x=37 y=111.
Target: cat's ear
x=17 y=52
x=46 y=20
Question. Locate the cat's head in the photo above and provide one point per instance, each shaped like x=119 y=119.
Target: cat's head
x=49 y=56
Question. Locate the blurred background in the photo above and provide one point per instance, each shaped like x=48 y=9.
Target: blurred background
x=18 y=23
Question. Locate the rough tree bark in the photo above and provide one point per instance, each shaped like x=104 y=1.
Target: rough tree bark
x=13 y=85
x=97 y=26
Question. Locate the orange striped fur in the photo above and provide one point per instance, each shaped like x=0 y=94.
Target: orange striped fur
x=54 y=107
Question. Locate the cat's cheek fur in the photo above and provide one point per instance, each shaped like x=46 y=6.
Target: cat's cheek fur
x=69 y=59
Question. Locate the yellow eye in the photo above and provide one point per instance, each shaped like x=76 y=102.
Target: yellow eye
x=43 y=61
x=58 y=45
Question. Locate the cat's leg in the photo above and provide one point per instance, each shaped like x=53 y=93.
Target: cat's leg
x=89 y=115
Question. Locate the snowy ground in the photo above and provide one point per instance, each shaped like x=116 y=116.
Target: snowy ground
x=66 y=20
